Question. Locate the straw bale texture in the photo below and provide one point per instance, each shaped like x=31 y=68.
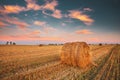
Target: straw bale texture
x=76 y=54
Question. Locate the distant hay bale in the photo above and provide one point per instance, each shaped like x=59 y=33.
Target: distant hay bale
x=76 y=54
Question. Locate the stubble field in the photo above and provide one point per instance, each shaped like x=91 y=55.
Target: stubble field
x=43 y=63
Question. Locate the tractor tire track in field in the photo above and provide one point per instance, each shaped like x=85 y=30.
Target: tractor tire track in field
x=108 y=69
x=107 y=66
x=111 y=67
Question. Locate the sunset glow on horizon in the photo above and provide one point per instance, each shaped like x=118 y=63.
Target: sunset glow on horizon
x=59 y=21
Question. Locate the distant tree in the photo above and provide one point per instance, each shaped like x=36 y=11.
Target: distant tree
x=117 y=44
x=100 y=44
x=50 y=44
x=14 y=43
x=60 y=44
x=7 y=43
x=53 y=44
x=10 y=43
x=41 y=45
x=105 y=43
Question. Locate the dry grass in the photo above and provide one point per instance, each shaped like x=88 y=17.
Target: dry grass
x=14 y=59
x=40 y=63
x=108 y=68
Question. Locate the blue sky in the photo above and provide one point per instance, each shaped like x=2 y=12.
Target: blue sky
x=59 y=21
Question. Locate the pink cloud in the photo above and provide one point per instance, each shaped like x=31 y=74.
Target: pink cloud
x=87 y=9
x=31 y=4
x=81 y=16
x=14 y=21
x=31 y=38
x=57 y=14
x=48 y=29
x=39 y=23
x=51 y=39
x=94 y=39
x=35 y=32
x=17 y=22
x=2 y=24
x=6 y=38
x=85 y=31
x=50 y=5
x=11 y=9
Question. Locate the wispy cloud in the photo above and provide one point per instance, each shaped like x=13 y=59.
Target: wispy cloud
x=14 y=21
x=29 y=34
x=85 y=31
x=76 y=14
x=49 y=29
x=49 y=5
x=31 y=4
x=63 y=24
x=2 y=24
x=68 y=21
x=52 y=7
x=17 y=22
x=30 y=38
x=45 y=27
x=51 y=39
x=57 y=14
x=87 y=9
x=94 y=39
x=35 y=32
x=39 y=23
x=11 y=9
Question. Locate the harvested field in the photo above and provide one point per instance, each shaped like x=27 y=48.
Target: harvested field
x=43 y=63
x=108 y=68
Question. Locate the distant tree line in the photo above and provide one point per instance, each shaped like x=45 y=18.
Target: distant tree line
x=51 y=44
x=55 y=44
x=10 y=43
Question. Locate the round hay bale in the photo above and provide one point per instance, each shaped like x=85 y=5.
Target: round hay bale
x=76 y=54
